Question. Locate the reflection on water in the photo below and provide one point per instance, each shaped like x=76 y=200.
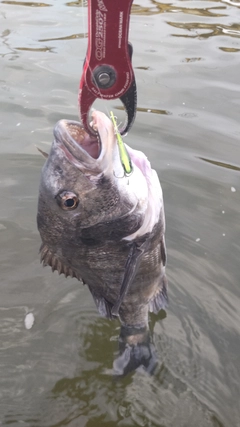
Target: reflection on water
x=72 y=37
x=215 y=29
x=143 y=68
x=232 y=3
x=159 y=7
x=192 y=59
x=38 y=49
x=145 y=110
x=221 y=164
x=80 y=3
x=25 y=3
x=229 y=49
x=60 y=372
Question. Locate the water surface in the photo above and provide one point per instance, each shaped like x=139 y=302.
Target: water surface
x=58 y=373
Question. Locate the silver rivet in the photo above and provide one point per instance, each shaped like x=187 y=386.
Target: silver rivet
x=104 y=79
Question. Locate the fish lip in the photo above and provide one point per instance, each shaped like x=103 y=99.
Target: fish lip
x=72 y=138
x=70 y=135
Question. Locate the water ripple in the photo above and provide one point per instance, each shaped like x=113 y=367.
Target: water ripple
x=232 y=3
x=16 y=108
x=146 y=110
x=221 y=164
x=36 y=49
x=172 y=8
x=229 y=49
x=60 y=372
x=232 y=30
x=78 y=3
x=71 y=37
x=24 y=3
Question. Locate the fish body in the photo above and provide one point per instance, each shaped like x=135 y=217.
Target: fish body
x=102 y=226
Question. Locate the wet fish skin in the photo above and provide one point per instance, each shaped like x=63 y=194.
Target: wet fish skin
x=112 y=215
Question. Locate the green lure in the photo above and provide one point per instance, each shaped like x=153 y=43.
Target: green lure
x=124 y=156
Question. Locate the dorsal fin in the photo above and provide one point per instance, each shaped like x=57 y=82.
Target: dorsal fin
x=48 y=258
x=42 y=152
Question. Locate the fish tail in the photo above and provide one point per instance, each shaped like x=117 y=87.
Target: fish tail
x=136 y=349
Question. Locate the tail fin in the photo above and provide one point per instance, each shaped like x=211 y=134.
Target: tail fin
x=136 y=349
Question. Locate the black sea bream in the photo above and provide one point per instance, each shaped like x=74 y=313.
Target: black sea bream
x=101 y=226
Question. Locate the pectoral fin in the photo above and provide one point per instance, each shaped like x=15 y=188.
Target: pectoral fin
x=131 y=268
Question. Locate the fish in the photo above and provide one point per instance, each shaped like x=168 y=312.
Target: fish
x=104 y=227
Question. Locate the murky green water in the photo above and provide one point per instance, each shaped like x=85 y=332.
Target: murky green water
x=58 y=373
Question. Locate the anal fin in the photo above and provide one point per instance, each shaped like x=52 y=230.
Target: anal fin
x=160 y=299
x=104 y=307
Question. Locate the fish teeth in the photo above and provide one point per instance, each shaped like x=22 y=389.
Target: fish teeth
x=93 y=125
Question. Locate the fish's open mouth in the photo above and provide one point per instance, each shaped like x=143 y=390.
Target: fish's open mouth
x=89 y=143
x=85 y=151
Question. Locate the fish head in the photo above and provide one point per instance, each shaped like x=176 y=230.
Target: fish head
x=83 y=185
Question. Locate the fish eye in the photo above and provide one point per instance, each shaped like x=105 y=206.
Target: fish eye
x=67 y=200
x=69 y=203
